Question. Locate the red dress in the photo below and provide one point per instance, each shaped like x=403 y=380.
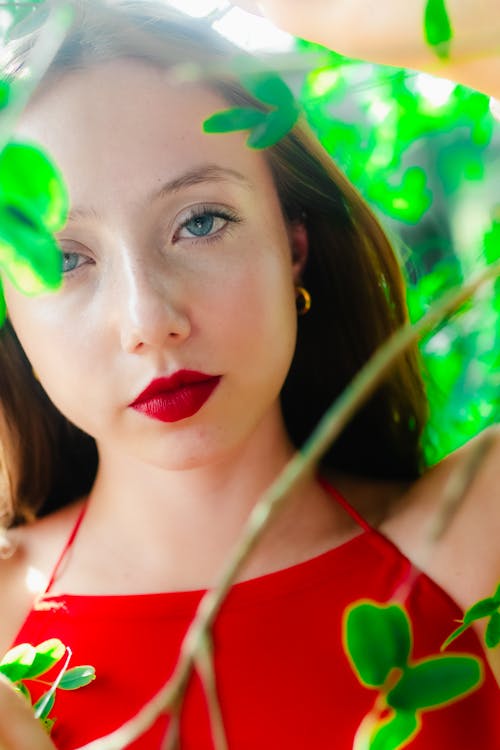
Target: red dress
x=284 y=682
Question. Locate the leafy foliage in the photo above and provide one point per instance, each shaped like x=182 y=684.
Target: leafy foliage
x=377 y=640
x=27 y=663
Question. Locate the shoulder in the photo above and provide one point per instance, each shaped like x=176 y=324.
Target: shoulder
x=462 y=494
x=35 y=549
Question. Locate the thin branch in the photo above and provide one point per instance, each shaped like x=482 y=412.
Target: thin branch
x=205 y=668
x=300 y=466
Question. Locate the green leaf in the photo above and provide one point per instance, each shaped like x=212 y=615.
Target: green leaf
x=50 y=699
x=377 y=639
x=269 y=88
x=273 y=129
x=480 y=609
x=4 y=94
x=454 y=635
x=437 y=27
x=17 y=661
x=33 y=185
x=435 y=681
x=491 y=244
x=77 y=677
x=238 y=118
x=396 y=732
x=29 y=254
x=492 y=635
x=48 y=654
x=496 y=595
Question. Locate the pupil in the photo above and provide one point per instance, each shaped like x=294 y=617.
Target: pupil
x=201 y=225
x=69 y=261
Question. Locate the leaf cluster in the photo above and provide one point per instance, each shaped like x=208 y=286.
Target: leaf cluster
x=378 y=640
x=25 y=664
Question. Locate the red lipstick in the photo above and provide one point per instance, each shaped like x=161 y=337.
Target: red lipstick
x=177 y=397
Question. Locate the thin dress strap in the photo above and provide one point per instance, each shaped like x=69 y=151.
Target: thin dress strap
x=66 y=547
x=343 y=502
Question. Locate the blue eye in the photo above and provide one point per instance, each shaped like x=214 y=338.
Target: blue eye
x=69 y=262
x=200 y=225
x=206 y=222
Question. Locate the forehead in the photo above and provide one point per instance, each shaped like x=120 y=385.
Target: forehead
x=126 y=125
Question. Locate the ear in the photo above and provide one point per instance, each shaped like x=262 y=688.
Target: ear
x=299 y=246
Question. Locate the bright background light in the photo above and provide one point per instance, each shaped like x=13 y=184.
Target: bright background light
x=252 y=33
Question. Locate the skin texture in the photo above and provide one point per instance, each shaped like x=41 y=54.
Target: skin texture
x=393 y=34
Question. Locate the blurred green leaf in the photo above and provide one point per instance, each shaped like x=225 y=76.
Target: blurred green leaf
x=435 y=681
x=17 y=661
x=48 y=654
x=377 y=639
x=395 y=732
x=273 y=129
x=268 y=88
x=33 y=205
x=492 y=635
x=46 y=700
x=437 y=27
x=239 y=118
x=480 y=609
x=77 y=677
x=4 y=94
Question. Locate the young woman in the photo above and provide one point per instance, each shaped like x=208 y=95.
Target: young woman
x=149 y=402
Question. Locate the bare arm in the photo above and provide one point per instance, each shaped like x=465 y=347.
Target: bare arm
x=19 y=730
x=390 y=32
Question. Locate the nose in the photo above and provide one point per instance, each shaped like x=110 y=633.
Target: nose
x=151 y=315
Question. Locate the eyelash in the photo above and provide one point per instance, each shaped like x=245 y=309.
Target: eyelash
x=197 y=212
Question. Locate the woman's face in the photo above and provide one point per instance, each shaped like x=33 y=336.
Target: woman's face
x=177 y=258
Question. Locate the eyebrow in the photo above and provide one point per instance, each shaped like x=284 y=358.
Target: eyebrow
x=197 y=176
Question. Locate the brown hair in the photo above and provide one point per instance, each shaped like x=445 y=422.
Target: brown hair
x=352 y=275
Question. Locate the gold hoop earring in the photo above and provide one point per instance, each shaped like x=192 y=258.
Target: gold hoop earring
x=302 y=300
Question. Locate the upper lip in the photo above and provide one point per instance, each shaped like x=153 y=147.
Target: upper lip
x=170 y=383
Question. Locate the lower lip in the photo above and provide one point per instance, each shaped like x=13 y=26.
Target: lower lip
x=182 y=403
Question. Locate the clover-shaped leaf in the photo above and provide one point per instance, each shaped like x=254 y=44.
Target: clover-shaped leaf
x=377 y=639
x=266 y=127
x=435 y=681
x=438 y=31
